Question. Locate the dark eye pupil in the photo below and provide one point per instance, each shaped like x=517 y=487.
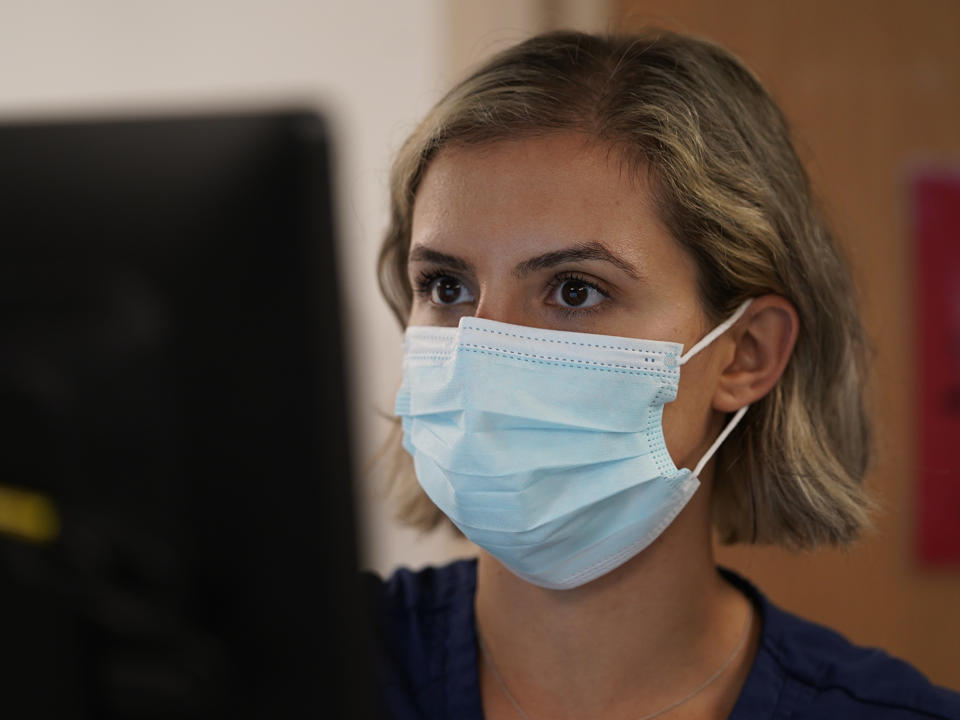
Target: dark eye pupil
x=574 y=292
x=448 y=290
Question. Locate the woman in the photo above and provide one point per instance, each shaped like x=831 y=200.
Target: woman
x=627 y=326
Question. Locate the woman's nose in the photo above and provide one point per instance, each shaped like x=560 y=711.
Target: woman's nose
x=502 y=306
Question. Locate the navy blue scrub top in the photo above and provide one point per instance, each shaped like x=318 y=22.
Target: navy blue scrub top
x=427 y=659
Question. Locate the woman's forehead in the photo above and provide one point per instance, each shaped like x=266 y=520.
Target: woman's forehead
x=538 y=194
x=555 y=167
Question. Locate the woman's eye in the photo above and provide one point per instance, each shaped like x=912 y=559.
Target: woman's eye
x=447 y=290
x=573 y=293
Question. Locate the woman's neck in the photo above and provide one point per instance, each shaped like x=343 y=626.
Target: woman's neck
x=626 y=644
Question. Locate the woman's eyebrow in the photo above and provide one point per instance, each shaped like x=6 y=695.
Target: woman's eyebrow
x=419 y=253
x=581 y=251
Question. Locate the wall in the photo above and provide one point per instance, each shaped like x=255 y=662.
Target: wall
x=872 y=90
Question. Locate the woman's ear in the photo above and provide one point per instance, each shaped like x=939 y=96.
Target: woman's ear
x=764 y=339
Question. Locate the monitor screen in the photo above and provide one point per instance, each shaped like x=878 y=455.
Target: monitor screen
x=176 y=526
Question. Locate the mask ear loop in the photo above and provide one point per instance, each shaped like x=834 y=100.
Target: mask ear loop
x=720 y=438
x=706 y=340
x=716 y=332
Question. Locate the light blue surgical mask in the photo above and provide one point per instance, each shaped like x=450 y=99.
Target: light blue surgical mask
x=546 y=447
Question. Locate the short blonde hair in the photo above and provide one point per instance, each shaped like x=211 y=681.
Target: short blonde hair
x=732 y=192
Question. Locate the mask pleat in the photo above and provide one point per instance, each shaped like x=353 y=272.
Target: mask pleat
x=491 y=454
x=547 y=496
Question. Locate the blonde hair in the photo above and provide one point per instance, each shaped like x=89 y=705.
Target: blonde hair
x=732 y=192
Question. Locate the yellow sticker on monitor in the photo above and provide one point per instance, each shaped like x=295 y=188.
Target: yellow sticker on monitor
x=28 y=515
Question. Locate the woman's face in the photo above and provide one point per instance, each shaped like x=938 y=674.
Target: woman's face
x=553 y=232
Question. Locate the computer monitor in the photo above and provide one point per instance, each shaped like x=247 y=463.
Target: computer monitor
x=176 y=526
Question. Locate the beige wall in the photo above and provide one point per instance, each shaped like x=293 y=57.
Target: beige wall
x=871 y=88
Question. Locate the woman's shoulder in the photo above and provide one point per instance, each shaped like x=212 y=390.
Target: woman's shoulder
x=429 y=589
x=426 y=640
x=811 y=671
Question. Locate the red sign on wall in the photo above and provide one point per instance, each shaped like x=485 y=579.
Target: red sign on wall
x=936 y=203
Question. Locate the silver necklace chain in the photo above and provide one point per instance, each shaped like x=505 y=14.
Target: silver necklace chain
x=706 y=683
